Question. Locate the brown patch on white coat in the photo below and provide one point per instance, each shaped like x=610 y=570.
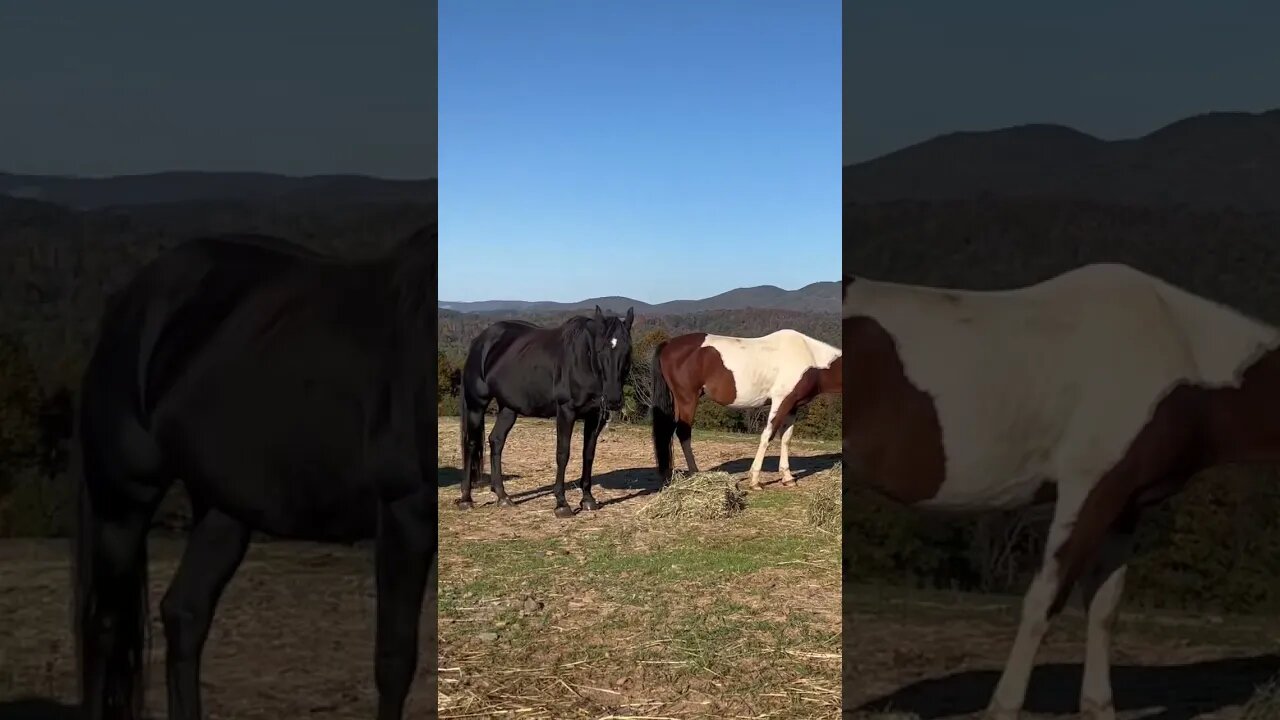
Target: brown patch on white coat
x=1111 y=384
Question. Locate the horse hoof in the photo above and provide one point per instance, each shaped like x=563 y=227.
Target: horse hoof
x=506 y=502
x=564 y=511
x=589 y=504
x=464 y=504
x=787 y=482
x=994 y=713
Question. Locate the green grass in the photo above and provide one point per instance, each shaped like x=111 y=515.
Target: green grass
x=698 y=562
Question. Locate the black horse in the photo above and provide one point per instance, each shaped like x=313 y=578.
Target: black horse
x=572 y=372
x=290 y=394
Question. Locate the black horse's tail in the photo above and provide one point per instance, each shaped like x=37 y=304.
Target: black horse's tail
x=471 y=434
x=116 y=471
x=663 y=410
x=110 y=601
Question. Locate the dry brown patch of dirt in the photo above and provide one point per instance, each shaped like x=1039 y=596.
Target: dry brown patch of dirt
x=292 y=638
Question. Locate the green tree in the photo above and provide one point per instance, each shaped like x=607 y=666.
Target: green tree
x=20 y=405
x=448 y=384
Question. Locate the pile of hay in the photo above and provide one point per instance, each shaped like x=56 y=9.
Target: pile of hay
x=823 y=510
x=698 y=496
x=1265 y=703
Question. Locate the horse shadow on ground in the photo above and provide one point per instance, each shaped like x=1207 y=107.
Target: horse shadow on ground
x=452 y=477
x=37 y=708
x=1174 y=692
x=802 y=466
x=639 y=481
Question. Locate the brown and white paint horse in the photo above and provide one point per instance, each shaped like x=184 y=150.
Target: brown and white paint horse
x=1103 y=388
x=785 y=368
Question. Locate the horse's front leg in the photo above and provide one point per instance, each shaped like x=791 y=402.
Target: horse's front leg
x=758 y=462
x=784 y=452
x=564 y=435
x=591 y=429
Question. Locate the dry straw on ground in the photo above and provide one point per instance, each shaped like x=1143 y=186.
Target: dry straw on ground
x=823 y=509
x=1265 y=703
x=700 y=496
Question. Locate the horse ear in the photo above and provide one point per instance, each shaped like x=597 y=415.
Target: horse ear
x=599 y=314
x=631 y=316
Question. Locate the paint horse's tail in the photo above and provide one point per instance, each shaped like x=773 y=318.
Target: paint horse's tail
x=663 y=410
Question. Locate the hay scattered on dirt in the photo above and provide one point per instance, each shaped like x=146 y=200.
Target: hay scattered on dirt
x=700 y=496
x=1265 y=703
x=823 y=509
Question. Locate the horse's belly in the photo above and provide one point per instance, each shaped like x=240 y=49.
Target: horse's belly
x=745 y=401
x=997 y=493
x=752 y=391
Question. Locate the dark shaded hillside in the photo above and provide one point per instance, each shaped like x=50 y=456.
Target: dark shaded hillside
x=59 y=265
x=821 y=297
x=1211 y=161
x=458 y=329
x=1230 y=256
x=185 y=187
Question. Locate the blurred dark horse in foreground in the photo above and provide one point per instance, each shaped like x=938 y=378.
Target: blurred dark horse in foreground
x=571 y=372
x=290 y=393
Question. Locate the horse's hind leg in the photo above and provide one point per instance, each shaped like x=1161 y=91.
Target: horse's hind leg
x=497 y=440
x=404 y=559
x=215 y=548
x=684 y=431
x=758 y=462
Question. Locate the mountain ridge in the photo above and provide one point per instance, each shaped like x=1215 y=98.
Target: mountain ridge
x=185 y=186
x=821 y=296
x=1209 y=160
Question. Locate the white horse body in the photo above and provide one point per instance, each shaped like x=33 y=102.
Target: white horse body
x=1053 y=382
x=768 y=367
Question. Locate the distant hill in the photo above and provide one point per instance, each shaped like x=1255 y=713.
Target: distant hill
x=84 y=193
x=1210 y=161
x=818 y=297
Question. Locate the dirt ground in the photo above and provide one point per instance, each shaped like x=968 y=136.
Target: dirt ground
x=939 y=655
x=293 y=636
x=612 y=615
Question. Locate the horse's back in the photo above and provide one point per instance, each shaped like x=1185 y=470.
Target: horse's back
x=514 y=362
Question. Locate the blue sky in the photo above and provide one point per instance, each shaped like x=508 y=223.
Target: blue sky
x=1115 y=70
x=659 y=150
x=327 y=86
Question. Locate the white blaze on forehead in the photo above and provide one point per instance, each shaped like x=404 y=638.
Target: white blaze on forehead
x=613 y=342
